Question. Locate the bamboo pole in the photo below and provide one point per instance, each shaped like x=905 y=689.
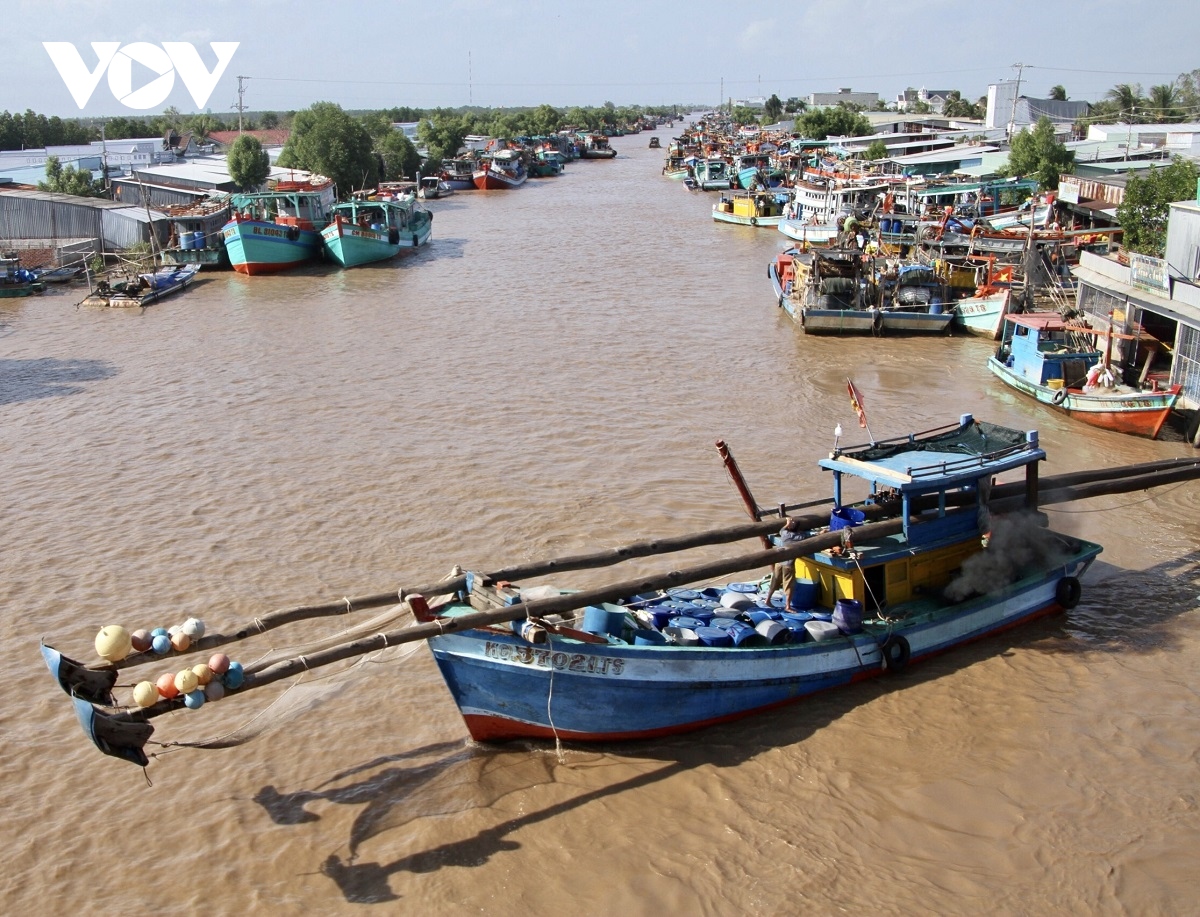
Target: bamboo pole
x=539 y=608
x=1055 y=489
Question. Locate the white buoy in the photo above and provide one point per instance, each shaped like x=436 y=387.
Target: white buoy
x=194 y=628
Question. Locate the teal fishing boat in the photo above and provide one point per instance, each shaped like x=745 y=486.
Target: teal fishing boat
x=278 y=229
x=375 y=226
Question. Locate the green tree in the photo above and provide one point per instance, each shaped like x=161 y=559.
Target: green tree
x=1145 y=207
x=249 y=164
x=327 y=140
x=821 y=122
x=70 y=180
x=1058 y=93
x=877 y=150
x=794 y=104
x=400 y=157
x=1126 y=98
x=1162 y=102
x=268 y=120
x=544 y=120
x=442 y=135
x=772 y=110
x=1039 y=154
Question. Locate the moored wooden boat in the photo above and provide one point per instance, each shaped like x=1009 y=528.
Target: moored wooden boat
x=749 y=208
x=1061 y=365
x=867 y=602
x=374 y=227
x=500 y=171
x=279 y=229
x=930 y=514
x=17 y=281
x=142 y=289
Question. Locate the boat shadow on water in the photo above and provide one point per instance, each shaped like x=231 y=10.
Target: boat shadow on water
x=29 y=380
x=453 y=778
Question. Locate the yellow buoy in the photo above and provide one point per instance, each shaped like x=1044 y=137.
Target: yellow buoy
x=203 y=674
x=145 y=694
x=113 y=643
x=185 y=681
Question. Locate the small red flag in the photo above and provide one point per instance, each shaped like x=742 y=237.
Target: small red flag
x=856 y=402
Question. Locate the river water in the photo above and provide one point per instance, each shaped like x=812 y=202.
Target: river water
x=548 y=378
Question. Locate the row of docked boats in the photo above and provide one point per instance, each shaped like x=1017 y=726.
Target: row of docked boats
x=882 y=254
x=296 y=221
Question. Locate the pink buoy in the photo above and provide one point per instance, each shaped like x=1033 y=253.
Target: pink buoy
x=166 y=685
x=219 y=663
x=141 y=640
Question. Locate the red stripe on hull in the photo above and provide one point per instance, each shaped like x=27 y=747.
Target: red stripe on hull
x=265 y=267
x=1137 y=423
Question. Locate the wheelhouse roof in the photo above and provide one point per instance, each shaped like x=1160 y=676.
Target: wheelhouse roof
x=939 y=459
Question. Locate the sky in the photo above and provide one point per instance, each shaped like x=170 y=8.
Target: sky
x=370 y=54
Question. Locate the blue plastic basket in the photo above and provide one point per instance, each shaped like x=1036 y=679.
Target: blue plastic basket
x=845 y=517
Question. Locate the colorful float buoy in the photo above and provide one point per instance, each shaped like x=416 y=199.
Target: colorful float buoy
x=219 y=663
x=234 y=676
x=185 y=681
x=214 y=690
x=113 y=643
x=145 y=694
x=161 y=644
x=194 y=628
x=166 y=685
x=141 y=640
x=203 y=674
x=194 y=699
x=180 y=641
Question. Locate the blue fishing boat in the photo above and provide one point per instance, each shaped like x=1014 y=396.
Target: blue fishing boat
x=376 y=226
x=870 y=597
x=278 y=229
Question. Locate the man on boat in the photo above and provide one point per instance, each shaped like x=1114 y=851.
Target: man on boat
x=783 y=574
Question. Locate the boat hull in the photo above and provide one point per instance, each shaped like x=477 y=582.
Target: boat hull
x=982 y=315
x=809 y=234
x=491 y=180
x=257 y=247
x=900 y=321
x=506 y=688
x=351 y=245
x=1138 y=413
x=737 y=219
x=840 y=321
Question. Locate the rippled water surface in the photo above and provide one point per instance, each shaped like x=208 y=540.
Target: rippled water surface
x=548 y=378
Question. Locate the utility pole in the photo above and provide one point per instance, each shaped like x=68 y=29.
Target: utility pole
x=241 y=104
x=1012 y=117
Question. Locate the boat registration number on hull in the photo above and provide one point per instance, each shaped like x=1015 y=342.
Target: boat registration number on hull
x=583 y=663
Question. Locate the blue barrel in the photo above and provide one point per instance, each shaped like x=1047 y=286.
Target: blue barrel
x=185 y=241
x=198 y=240
x=597 y=620
x=804 y=594
x=847 y=615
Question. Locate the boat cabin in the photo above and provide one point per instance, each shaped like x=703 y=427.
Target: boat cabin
x=1043 y=349
x=939 y=483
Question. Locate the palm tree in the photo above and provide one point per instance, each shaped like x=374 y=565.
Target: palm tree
x=1127 y=97
x=1163 y=101
x=1058 y=93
